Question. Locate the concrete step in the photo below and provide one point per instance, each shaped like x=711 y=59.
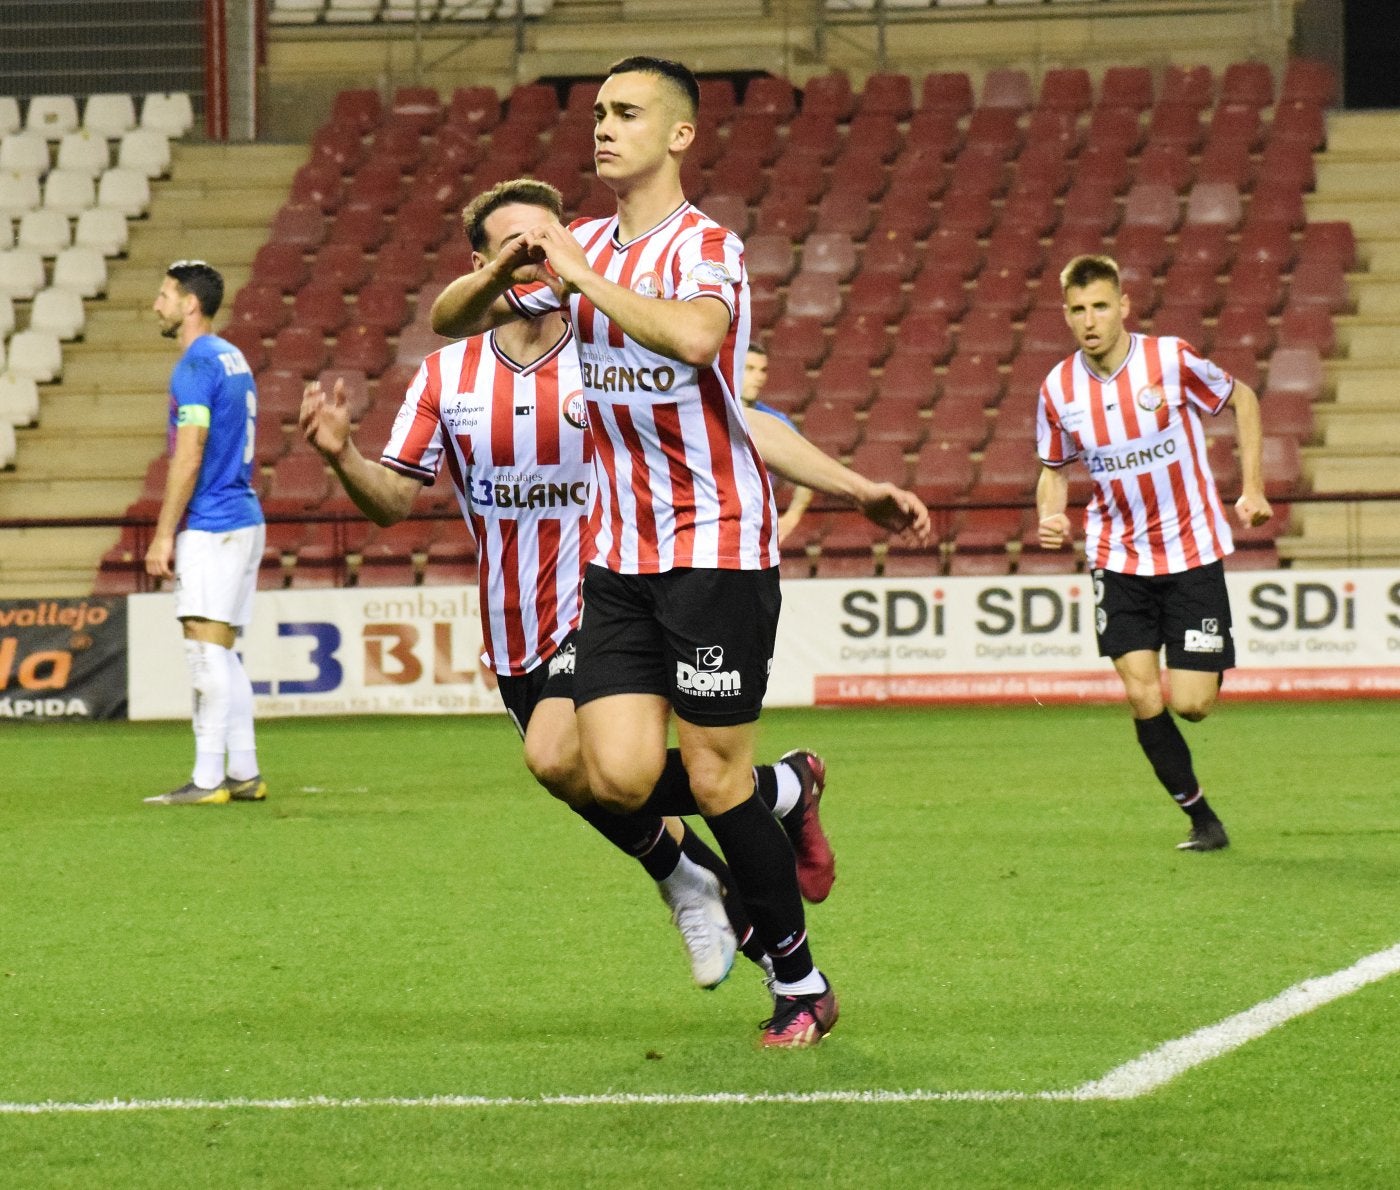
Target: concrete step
x=1379 y=255
x=1361 y=383
x=90 y=412
x=1376 y=295
x=1367 y=216
x=1357 y=177
x=129 y=371
x=220 y=206
x=36 y=549
x=273 y=164
x=1367 y=338
x=138 y=287
x=155 y=247
x=1362 y=430
x=1367 y=470
x=54 y=583
x=110 y=454
x=80 y=497
x=1364 y=132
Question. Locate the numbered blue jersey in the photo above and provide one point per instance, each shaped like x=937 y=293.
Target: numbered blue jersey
x=212 y=386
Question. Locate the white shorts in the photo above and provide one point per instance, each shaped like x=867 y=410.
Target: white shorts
x=217 y=573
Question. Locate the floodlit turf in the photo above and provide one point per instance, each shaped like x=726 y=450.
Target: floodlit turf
x=409 y=916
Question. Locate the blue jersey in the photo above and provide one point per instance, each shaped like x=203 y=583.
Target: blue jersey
x=779 y=414
x=212 y=386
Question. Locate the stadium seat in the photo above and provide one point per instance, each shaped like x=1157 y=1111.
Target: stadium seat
x=1045 y=330
x=829 y=94
x=19 y=399
x=68 y=191
x=1244 y=328
x=1295 y=369
x=1090 y=209
x=757 y=134
x=319 y=306
x=1289 y=414
x=968 y=214
x=1152 y=205
x=939 y=289
x=382 y=303
x=845 y=379
x=376 y=186
x=46 y=232
x=1114 y=129
x=51 y=115
x=360 y=225
x=788 y=387
x=1008 y=471
x=782 y=216
x=36 y=354
x=58 y=312
x=943 y=472
x=771 y=256
x=1175 y=124
x=1193 y=86
x=1169 y=164
x=297 y=223
x=959 y=417
x=741 y=172
x=299 y=481
x=972 y=377
x=21 y=273
x=146 y=151
x=18 y=193
x=815 y=295
x=260 y=309
x=250 y=344
x=909 y=380
x=1127 y=86
x=1066 y=89
x=769 y=96
x=876 y=295
x=1193 y=286
x=798 y=338
x=83 y=152
x=109 y=114
x=1183 y=322
x=1003 y=290
x=987 y=332
x=908 y=215
x=1332 y=240
x=729 y=210
x=861 y=337
x=831 y=425
x=299 y=349
x=1248 y=83
x=1237 y=124
x=934 y=136
x=170 y=112
x=1319 y=281
x=927 y=332
x=893 y=422
x=363 y=348
x=124 y=190
x=848 y=213
x=887 y=94
x=717 y=99
x=1300 y=124
x=1277 y=203
x=1007 y=87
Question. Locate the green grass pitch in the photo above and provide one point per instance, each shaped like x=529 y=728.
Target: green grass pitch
x=409 y=916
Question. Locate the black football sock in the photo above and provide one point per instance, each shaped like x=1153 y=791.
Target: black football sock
x=695 y=849
x=673 y=795
x=1166 y=748
x=642 y=836
x=761 y=859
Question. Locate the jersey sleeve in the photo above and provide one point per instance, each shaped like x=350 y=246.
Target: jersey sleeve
x=415 y=443
x=709 y=263
x=1053 y=445
x=194 y=384
x=530 y=301
x=1204 y=382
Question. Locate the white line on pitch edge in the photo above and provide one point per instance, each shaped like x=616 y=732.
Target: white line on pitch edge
x=1132 y=1080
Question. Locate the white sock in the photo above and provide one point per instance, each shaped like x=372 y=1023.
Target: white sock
x=810 y=985
x=242 y=749
x=789 y=789
x=209 y=677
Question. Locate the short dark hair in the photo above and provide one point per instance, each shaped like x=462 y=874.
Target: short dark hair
x=1085 y=270
x=678 y=74
x=529 y=191
x=202 y=280
x=757 y=348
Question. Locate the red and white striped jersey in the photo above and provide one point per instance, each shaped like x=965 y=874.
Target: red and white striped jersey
x=1155 y=509
x=679 y=481
x=515 y=442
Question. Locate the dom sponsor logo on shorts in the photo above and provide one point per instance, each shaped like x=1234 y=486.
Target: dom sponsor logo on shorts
x=707 y=677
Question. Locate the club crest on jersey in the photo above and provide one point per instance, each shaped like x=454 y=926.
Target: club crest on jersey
x=1151 y=398
x=648 y=285
x=711 y=272
x=576 y=410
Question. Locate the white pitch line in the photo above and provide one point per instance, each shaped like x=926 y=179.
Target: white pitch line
x=1132 y=1080
x=1157 y=1067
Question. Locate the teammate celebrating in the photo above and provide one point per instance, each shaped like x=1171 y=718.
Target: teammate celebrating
x=209 y=534
x=1155 y=530
x=682 y=596
x=505 y=412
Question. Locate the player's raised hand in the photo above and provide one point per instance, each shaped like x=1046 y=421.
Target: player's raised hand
x=1253 y=509
x=1054 y=531
x=553 y=245
x=898 y=511
x=325 y=419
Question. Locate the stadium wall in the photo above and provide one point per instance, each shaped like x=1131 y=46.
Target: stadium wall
x=415 y=650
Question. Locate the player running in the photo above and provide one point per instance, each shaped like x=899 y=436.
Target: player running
x=1129 y=405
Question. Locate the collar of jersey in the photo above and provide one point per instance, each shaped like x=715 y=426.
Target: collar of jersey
x=535 y=366
x=651 y=231
x=1109 y=379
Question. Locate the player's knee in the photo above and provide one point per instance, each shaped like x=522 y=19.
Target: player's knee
x=1194 y=710
x=617 y=798
x=558 y=770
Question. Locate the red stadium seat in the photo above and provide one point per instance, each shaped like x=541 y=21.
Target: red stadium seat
x=949 y=91
x=1204 y=244
x=300 y=481
x=1227 y=161
x=1299 y=123
x=364 y=349
x=793 y=175
x=959 y=419
x=729 y=210
x=319 y=306
x=845 y=379
x=981 y=530
x=1190 y=85
x=301 y=224
x=534 y=105
x=740 y=172
x=1265 y=242
x=1090 y=207
x=357 y=109
x=894 y=422
x=1009 y=88
x=996 y=129
x=831 y=252
x=1283 y=468
x=910 y=216
x=1238 y=124
x=1036 y=213
x=788 y=386
x=1238 y=363
x=281 y=266
x=1008 y=471
x=771 y=256
x=887 y=94
x=363 y=227
x=1003 y=290
x=881 y=461
x=260 y=310
x=717 y=100
x=798 y=338
x=1066 y=89
x=848 y=213
x=1152 y=205
x=1114 y=129
x=1248 y=83
x=1192 y=286
x=1289 y=163
x=1295 y=369
x=1045 y=330
x=1183 y=322
x=770 y=96
x=967 y=214
x=423 y=225
x=757 y=133
x=934 y=136
x=298 y=349
x=1330 y=240
x=402 y=264
x=1288 y=414
x=831 y=425
x=318 y=184
x=940 y=290
x=1127 y=86
x=342 y=265
x=876 y=295
x=816 y=295
x=987 y=332
x=1256 y=283
x=1319 y=281
x=1310 y=80
x=829 y=94
x=972 y=377
x=1168 y=164
x=1276 y=203
x=889 y=252
x=861 y=337
x=1042 y=168
x=943 y=472
x=926 y=332
x=1175 y=124
x=1244 y=328
x=781 y=215
x=908 y=379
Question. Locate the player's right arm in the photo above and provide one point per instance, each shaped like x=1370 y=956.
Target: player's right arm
x=475 y=302
x=1051 y=500
x=180 y=482
x=385 y=496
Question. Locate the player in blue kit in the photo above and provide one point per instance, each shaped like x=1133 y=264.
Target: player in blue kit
x=210 y=532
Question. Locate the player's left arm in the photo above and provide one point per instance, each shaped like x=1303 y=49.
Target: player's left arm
x=1252 y=507
x=180 y=481
x=689 y=331
x=785 y=451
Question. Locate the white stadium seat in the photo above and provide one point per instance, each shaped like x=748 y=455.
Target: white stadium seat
x=85 y=151
x=70 y=191
x=8 y=446
x=296 y=12
x=146 y=150
x=105 y=230
x=81 y=269
x=109 y=115
x=19 y=399
x=124 y=190
x=18 y=193
x=352 y=10
x=25 y=153
x=171 y=113
x=36 y=354
x=51 y=115
x=7 y=316
x=47 y=232
x=9 y=115
x=59 y=312
x=21 y=273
